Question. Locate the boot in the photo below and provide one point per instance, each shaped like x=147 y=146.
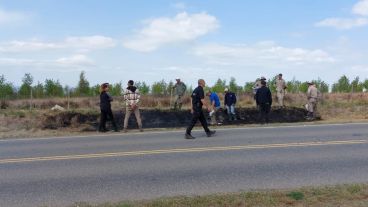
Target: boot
x=230 y=117
x=234 y=117
x=309 y=116
x=211 y=133
x=188 y=136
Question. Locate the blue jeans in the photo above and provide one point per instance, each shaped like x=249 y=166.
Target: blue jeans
x=230 y=109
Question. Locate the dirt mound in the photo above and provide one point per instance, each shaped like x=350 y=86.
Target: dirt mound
x=88 y=121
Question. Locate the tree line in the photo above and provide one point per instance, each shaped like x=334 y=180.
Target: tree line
x=53 y=88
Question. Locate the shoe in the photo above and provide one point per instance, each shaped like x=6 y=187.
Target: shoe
x=189 y=136
x=102 y=130
x=125 y=130
x=211 y=133
x=141 y=130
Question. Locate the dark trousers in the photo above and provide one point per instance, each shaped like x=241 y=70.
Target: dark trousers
x=105 y=114
x=198 y=115
x=264 y=111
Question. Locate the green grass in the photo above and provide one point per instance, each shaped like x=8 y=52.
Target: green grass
x=352 y=195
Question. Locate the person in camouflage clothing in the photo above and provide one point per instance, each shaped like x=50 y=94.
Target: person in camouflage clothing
x=179 y=90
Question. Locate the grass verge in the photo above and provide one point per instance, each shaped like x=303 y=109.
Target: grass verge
x=352 y=195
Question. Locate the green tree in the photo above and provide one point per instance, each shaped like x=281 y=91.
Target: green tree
x=357 y=86
x=83 y=85
x=271 y=84
x=365 y=84
x=170 y=87
x=159 y=88
x=219 y=86
x=38 y=90
x=53 y=88
x=116 y=89
x=248 y=87
x=26 y=87
x=303 y=88
x=322 y=86
x=233 y=86
x=95 y=90
x=342 y=86
x=6 y=88
x=293 y=86
x=143 y=88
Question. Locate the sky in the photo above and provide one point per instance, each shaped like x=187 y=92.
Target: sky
x=143 y=40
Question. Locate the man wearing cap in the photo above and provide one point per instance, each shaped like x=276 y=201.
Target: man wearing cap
x=312 y=95
x=264 y=102
x=180 y=89
x=280 y=86
x=258 y=84
x=229 y=102
x=198 y=100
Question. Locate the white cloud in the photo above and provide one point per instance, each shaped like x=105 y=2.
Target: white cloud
x=90 y=42
x=261 y=54
x=9 y=17
x=25 y=46
x=80 y=60
x=342 y=23
x=361 y=8
x=161 y=31
x=78 y=43
x=75 y=62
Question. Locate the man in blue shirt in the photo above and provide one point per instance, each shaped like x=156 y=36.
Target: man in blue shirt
x=215 y=105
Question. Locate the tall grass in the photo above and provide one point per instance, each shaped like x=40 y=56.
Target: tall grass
x=150 y=101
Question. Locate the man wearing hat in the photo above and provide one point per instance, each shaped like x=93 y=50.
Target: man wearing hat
x=280 y=86
x=229 y=102
x=312 y=95
x=258 y=84
x=180 y=89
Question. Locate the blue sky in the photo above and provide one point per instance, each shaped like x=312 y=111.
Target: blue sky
x=152 y=40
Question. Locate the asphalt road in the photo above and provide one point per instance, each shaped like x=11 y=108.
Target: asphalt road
x=115 y=167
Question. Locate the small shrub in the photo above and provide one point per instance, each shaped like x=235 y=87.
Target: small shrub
x=296 y=195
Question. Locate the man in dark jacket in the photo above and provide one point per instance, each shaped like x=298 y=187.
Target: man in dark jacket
x=264 y=102
x=230 y=101
x=197 y=113
x=105 y=106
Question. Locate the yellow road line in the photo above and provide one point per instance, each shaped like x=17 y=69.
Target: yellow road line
x=184 y=150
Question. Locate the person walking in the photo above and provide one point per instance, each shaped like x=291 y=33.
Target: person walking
x=280 y=86
x=264 y=102
x=198 y=100
x=215 y=105
x=312 y=95
x=132 y=98
x=229 y=102
x=105 y=106
x=180 y=89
